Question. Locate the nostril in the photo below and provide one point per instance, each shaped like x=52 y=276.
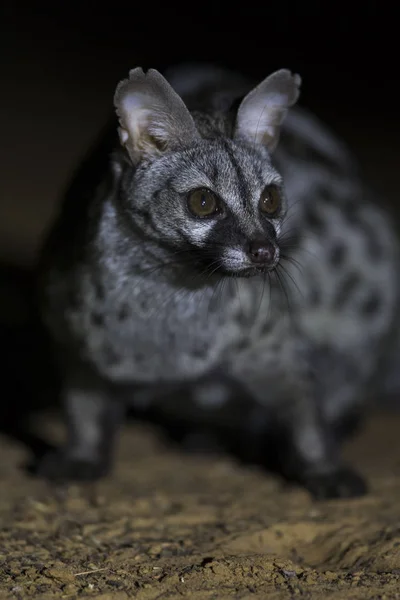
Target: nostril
x=262 y=252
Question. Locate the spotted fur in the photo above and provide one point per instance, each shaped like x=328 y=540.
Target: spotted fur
x=142 y=299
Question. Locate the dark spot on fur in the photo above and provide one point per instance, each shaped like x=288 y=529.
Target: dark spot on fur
x=314 y=220
x=214 y=304
x=314 y=295
x=171 y=337
x=337 y=254
x=351 y=213
x=242 y=344
x=333 y=365
x=97 y=319
x=99 y=290
x=73 y=300
x=199 y=352
x=143 y=305
x=242 y=317
x=266 y=327
x=345 y=289
x=371 y=304
x=123 y=312
x=111 y=357
x=373 y=246
x=326 y=194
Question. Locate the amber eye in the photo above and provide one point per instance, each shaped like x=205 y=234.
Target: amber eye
x=270 y=201
x=203 y=203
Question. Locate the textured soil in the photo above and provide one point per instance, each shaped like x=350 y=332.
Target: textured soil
x=170 y=525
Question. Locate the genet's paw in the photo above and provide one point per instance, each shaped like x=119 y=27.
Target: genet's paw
x=343 y=483
x=58 y=467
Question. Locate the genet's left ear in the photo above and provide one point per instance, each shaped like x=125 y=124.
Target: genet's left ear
x=263 y=110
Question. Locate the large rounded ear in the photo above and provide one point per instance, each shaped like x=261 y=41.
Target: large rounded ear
x=153 y=118
x=264 y=109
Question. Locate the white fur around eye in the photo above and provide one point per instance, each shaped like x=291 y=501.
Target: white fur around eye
x=199 y=232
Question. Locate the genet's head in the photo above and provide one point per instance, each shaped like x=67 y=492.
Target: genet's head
x=215 y=195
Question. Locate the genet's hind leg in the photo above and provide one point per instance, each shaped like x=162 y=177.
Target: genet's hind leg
x=93 y=412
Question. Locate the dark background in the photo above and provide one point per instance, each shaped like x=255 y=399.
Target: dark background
x=61 y=63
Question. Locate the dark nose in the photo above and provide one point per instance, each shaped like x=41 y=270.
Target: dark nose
x=262 y=252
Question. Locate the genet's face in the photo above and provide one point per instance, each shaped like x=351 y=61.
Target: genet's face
x=223 y=200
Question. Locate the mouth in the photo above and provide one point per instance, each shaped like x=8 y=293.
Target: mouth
x=252 y=269
x=249 y=271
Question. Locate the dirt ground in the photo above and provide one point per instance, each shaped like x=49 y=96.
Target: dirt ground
x=170 y=525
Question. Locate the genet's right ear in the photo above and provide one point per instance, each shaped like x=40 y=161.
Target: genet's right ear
x=153 y=118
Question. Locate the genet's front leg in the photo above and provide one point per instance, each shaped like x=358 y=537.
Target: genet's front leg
x=276 y=373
